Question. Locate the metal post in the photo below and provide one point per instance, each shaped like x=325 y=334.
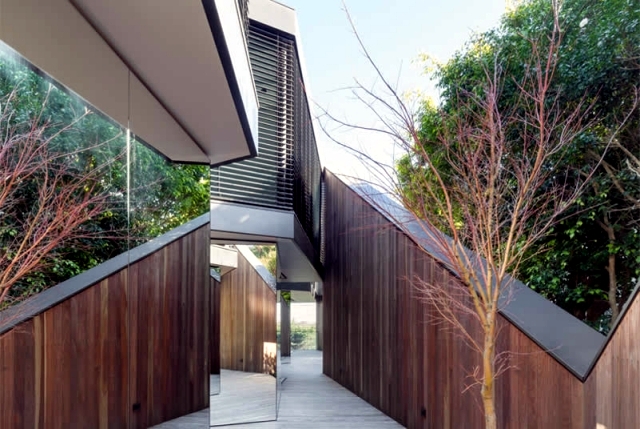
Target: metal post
x=285 y=328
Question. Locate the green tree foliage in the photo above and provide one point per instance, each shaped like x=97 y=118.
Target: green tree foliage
x=303 y=336
x=598 y=62
x=162 y=195
x=268 y=255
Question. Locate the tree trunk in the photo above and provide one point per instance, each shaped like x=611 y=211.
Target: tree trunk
x=613 y=289
x=611 y=268
x=488 y=379
x=490 y=420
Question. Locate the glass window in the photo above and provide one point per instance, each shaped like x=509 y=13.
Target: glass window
x=164 y=195
x=63 y=192
x=75 y=188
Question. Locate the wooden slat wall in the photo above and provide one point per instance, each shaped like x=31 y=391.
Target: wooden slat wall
x=139 y=336
x=215 y=327
x=379 y=341
x=613 y=388
x=247 y=319
x=169 y=327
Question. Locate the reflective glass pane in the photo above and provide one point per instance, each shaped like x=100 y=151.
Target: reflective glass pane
x=164 y=195
x=63 y=196
x=248 y=345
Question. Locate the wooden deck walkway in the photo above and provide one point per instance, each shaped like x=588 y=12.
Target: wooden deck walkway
x=244 y=397
x=308 y=400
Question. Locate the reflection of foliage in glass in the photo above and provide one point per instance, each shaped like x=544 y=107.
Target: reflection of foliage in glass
x=84 y=142
x=77 y=159
x=270 y=364
x=47 y=198
x=164 y=195
x=267 y=255
x=303 y=336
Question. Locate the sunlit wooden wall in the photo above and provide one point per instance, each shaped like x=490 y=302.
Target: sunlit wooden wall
x=128 y=352
x=381 y=343
x=247 y=320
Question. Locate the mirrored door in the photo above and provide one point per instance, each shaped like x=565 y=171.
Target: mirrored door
x=247 y=342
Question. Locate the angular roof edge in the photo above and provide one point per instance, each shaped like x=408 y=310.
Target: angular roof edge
x=567 y=339
x=55 y=295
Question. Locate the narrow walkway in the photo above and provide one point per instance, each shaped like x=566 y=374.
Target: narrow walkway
x=310 y=400
x=244 y=397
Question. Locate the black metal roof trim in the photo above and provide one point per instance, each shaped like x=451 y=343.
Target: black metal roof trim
x=630 y=302
x=227 y=65
x=571 y=342
x=262 y=271
x=48 y=298
x=301 y=287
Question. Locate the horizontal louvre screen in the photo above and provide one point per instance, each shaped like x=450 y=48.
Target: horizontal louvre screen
x=306 y=163
x=286 y=174
x=266 y=180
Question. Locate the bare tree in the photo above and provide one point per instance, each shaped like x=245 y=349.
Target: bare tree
x=497 y=188
x=36 y=222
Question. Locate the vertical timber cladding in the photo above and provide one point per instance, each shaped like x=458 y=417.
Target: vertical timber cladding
x=247 y=319
x=379 y=342
x=169 y=328
x=138 y=336
x=613 y=387
x=214 y=329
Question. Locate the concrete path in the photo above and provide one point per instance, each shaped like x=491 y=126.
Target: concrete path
x=308 y=400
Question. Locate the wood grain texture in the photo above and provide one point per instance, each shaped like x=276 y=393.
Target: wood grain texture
x=247 y=319
x=214 y=343
x=170 y=334
x=381 y=343
x=139 y=336
x=613 y=388
x=308 y=400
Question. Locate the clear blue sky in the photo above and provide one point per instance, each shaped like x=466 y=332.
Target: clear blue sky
x=395 y=33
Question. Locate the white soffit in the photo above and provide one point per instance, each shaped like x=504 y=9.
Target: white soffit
x=169 y=45
x=275 y=15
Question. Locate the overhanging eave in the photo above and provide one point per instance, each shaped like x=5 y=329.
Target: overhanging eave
x=191 y=56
